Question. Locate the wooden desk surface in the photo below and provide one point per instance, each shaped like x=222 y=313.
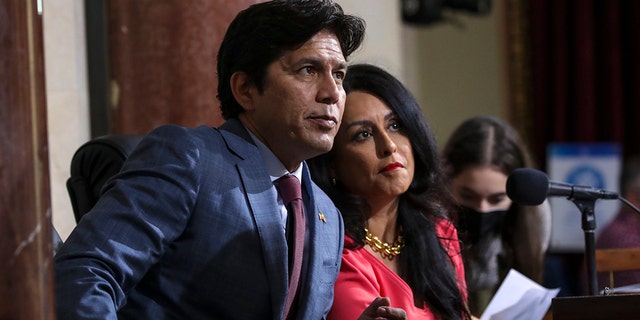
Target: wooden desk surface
x=620 y=307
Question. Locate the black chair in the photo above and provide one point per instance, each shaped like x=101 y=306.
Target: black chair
x=92 y=165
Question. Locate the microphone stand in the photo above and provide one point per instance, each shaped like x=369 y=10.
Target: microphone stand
x=587 y=206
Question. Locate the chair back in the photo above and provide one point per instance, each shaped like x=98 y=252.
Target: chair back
x=92 y=165
x=618 y=259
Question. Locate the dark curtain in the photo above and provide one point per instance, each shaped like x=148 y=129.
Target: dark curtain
x=584 y=73
x=574 y=74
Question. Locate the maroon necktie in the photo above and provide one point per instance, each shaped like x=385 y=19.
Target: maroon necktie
x=290 y=191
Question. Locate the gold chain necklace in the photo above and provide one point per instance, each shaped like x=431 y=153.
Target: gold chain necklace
x=386 y=250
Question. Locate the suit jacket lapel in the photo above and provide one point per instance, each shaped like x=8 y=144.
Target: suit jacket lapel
x=324 y=241
x=311 y=260
x=262 y=199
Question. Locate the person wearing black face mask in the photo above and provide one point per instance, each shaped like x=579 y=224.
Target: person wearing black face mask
x=478 y=223
x=497 y=234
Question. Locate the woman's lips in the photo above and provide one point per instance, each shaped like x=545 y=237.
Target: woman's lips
x=392 y=166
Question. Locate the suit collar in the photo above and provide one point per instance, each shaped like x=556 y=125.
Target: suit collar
x=237 y=138
x=274 y=167
x=236 y=127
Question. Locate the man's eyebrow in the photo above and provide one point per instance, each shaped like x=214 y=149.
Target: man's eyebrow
x=319 y=62
x=342 y=65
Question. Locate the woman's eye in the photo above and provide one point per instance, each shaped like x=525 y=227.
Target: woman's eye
x=395 y=126
x=362 y=135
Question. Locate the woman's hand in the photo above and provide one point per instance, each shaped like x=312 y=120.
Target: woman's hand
x=380 y=308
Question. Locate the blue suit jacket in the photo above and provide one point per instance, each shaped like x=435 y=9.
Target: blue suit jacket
x=190 y=229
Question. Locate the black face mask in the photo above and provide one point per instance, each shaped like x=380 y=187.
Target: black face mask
x=477 y=224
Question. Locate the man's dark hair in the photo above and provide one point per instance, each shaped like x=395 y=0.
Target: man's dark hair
x=263 y=32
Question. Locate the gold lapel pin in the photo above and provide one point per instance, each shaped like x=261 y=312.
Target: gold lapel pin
x=321 y=216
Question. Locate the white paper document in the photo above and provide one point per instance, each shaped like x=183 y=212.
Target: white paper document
x=519 y=297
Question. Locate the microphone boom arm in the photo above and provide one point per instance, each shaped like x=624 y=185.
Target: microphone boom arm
x=578 y=192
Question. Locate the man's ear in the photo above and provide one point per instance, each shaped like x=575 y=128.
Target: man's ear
x=243 y=89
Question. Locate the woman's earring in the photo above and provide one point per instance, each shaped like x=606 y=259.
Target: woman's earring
x=334 y=182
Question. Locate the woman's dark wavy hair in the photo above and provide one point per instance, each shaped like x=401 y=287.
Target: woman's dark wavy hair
x=424 y=263
x=263 y=33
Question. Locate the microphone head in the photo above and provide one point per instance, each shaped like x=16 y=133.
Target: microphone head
x=526 y=186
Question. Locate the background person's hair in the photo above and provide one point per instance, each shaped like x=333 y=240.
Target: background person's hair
x=630 y=175
x=263 y=33
x=424 y=263
x=485 y=141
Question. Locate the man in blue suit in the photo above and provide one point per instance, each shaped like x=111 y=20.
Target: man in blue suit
x=193 y=227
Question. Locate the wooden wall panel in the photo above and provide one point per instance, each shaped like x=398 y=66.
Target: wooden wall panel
x=163 y=61
x=26 y=285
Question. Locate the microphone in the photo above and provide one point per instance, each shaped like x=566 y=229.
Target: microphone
x=526 y=186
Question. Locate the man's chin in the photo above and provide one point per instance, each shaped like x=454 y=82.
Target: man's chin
x=326 y=144
x=319 y=147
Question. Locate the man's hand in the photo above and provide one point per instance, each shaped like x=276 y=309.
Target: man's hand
x=380 y=309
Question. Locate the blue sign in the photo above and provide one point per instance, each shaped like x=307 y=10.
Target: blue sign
x=595 y=165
